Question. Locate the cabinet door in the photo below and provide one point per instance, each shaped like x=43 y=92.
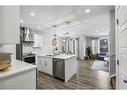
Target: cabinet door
x=39 y=64
x=38 y=40
x=9 y=25
x=48 y=65
x=45 y=65
x=35 y=40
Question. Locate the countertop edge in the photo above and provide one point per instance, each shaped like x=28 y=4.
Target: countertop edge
x=16 y=73
x=56 y=56
x=17 y=68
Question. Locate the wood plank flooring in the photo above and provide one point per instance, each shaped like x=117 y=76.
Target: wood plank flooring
x=86 y=78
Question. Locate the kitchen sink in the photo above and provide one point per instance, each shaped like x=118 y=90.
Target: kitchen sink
x=50 y=55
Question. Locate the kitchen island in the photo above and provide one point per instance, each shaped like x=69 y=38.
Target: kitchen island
x=62 y=66
x=20 y=75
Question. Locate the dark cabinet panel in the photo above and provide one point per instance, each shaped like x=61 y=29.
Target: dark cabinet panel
x=59 y=68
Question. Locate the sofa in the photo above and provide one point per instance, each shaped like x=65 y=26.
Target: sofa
x=101 y=55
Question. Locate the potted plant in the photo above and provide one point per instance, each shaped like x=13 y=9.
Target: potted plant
x=88 y=51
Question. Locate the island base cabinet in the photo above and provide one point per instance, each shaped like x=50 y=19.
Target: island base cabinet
x=25 y=80
x=70 y=68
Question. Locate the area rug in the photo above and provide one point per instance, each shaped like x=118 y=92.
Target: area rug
x=100 y=65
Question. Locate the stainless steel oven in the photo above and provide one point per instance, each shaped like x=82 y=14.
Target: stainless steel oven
x=29 y=58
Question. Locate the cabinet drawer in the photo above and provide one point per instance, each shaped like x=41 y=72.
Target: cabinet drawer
x=39 y=64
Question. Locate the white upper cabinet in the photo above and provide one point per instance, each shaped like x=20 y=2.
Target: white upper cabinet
x=9 y=25
x=38 y=40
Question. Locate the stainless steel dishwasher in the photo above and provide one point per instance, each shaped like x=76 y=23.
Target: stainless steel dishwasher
x=59 y=68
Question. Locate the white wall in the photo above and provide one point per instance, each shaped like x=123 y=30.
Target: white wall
x=47 y=43
x=82 y=47
x=8 y=48
x=48 y=48
x=95 y=46
x=112 y=32
x=9 y=24
x=89 y=42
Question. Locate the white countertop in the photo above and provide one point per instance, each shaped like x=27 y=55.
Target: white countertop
x=16 y=68
x=45 y=55
x=61 y=56
x=64 y=56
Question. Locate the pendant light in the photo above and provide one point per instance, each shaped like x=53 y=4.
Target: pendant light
x=67 y=33
x=68 y=29
x=54 y=41
x=54 y=26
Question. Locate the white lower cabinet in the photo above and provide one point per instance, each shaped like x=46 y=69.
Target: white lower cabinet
x=44 y=64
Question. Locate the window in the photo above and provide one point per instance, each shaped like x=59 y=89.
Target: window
x=103 y=45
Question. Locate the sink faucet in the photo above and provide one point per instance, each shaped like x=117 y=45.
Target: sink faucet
x=55 y=50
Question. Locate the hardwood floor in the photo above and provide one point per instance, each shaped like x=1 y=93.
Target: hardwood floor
x=86 y=78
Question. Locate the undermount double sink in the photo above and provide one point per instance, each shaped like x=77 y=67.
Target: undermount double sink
x=57 y=54
x=52 y=54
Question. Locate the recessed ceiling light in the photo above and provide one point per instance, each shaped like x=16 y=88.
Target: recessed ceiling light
x=64 y=40
x=105 y=41
x=87 y=10
x=96 y=31
x=39 y=26
x=21 y=21
x=32 y=14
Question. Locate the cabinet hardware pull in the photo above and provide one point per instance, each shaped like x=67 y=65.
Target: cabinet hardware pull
x=45 y=63
x=125 y=81
x=117 y=62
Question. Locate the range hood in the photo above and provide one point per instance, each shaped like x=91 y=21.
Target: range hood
x=27 y=35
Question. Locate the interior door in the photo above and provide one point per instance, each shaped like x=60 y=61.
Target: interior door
x=121 y=15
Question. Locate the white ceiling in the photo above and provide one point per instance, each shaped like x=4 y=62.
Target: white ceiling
x=81 y=22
